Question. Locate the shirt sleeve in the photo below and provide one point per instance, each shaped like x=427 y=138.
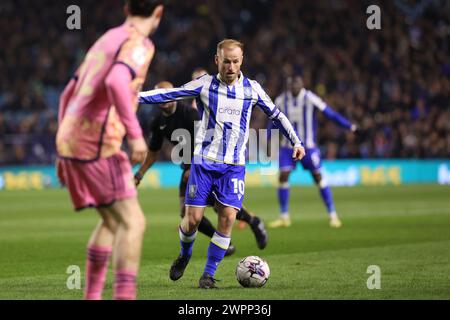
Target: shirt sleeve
x=189 y=90
x=119 y=93
x=263 y=100
x=316 y=101
x=65 y=98
x=337 y=117
x=328 y=111
x=134 y=54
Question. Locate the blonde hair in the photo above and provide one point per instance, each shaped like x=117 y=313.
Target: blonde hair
x=229 y=43
x=164 y=85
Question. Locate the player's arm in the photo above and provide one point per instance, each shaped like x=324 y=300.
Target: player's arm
x=279 y=121
x=65 y=97
x=270 y=125
x=330 y=113
x=339 y=119
x=120 y=95
x=63 y=103
x=155 y=146
x=189 y=90
x=150 y=159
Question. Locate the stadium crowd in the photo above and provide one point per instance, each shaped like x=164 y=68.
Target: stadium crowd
x=393 y=82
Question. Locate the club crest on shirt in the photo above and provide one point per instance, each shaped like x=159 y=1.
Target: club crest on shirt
x=192 y=190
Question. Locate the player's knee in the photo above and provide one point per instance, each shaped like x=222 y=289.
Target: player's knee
x=182 y=211
x=193 y=223
x=317 y=177
x=140 y=224
x=284 y=176
x=193 y=217
x=111 y=224
x=228 y=216
x=136 y=223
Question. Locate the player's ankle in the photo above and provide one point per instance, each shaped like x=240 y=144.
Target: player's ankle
x=333 y=215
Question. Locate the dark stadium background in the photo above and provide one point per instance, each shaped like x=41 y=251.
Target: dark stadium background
x=393 y=82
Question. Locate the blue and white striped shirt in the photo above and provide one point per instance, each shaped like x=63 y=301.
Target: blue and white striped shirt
x=302 y=112
x=225 y=113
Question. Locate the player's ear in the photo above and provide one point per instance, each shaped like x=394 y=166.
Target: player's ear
x=158 y=12
x=216 y=59
x=157 y=15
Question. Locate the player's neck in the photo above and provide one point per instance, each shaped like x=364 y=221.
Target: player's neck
x=232 y=83
x=143 y=25
x=296 y=94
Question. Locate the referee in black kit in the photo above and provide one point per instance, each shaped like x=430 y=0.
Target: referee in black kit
x=179 y=115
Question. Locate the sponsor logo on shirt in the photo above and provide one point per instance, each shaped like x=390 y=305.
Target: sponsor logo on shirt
x=230 y=111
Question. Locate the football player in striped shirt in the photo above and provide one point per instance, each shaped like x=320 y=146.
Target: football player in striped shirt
x=167 y=123
x=225 y=102
x=301 y=107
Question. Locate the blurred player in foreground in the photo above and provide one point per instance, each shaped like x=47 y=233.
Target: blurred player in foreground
x=174 y=116
x=97 y=109
x=225 y=102
x=301 y=106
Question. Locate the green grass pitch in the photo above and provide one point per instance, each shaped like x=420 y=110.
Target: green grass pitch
x=404 y=230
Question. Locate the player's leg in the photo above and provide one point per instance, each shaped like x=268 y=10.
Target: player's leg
x=218 y=245
x=127 y=247
x=286 y=165
x=100 y=183
x=256 y=224
x=197 y=193
x=228 y=191
x=187 y=233
x=312 y=162
x=99 y=250
x=205 y=221
x=327 y=198
x=205 y=225
x=283 y=200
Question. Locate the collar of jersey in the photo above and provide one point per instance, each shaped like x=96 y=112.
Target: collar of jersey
x=240 y=80
x=300 y=94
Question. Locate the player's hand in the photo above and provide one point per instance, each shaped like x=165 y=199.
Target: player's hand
x=138 y=150
x=355 y=129
x=298 y=153
x=59 y=172
x=137 y=178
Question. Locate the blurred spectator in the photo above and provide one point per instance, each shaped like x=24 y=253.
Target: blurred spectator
x=393 y=82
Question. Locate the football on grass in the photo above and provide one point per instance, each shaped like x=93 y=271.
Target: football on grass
x=252 y=272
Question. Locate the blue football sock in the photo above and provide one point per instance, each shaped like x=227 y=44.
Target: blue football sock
x=283 y=198
x=327 y=197
x=186 y=242
x=216 y=252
